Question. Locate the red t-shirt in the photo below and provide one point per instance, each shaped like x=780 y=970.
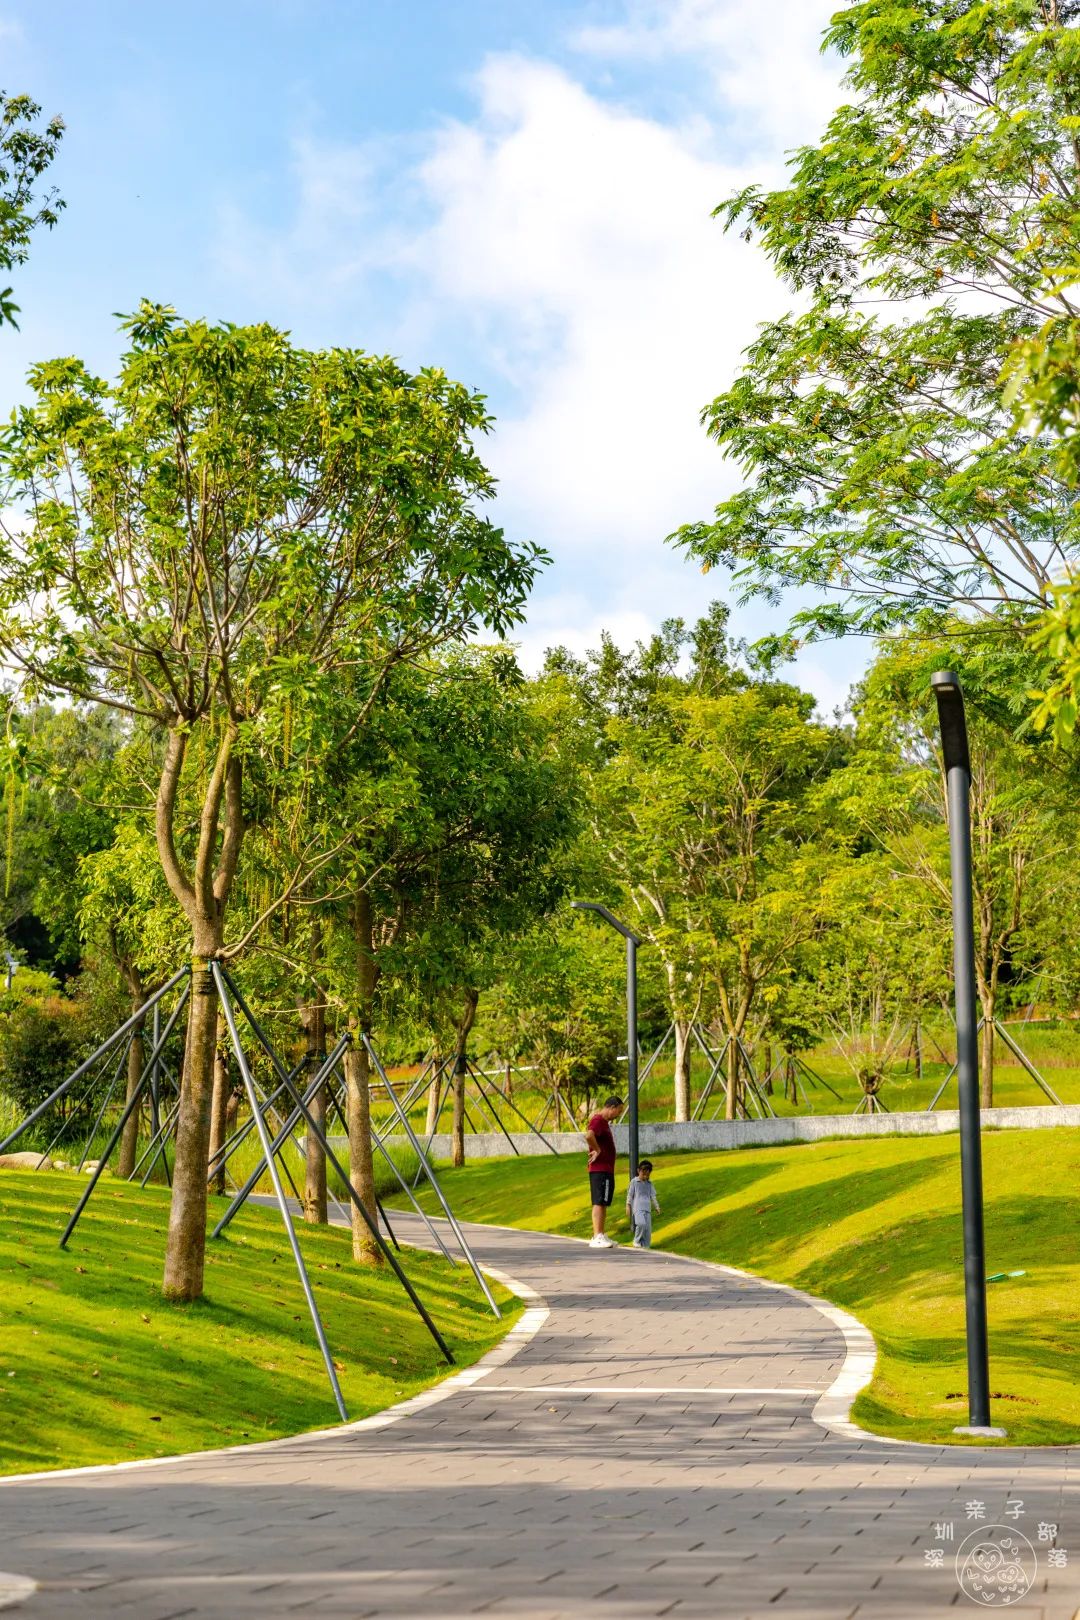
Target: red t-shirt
x=605 y=1141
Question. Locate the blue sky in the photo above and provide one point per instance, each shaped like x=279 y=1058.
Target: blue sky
x=517 y=192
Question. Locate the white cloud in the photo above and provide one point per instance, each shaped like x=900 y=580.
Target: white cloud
x=764 y=63
x=577 y=239
x=580 y=628
x=562 y=241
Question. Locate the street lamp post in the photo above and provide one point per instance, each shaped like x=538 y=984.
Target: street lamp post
x=954 y=744
x=632 y=943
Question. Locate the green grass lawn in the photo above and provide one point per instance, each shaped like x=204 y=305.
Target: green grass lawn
x=873 y=1226
x=96 y=1367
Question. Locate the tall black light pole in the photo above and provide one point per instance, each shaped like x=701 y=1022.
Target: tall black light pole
x=954 y=744
x=632 y=943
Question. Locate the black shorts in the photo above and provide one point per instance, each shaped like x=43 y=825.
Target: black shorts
x=602 y=1186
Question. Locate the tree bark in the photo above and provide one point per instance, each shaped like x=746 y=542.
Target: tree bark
x=203 y=893
x=682 y=1068
x=986 y=1057
x=186 y=1243
x=468 y=1018
x=315 y=1204
x=129 y=1141
x=358 y=1083
x=732 y=1078
x=219 y=1106
x=434 y=1098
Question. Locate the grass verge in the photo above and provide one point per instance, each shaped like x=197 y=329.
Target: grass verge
x=96 y=1367
x=872 y=1225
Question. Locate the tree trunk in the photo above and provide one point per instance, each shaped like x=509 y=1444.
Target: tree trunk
x=129 y=1141
x=315 y=1209
x=361 y=1167
x=468 y=1018
x=682 y=1068
x=732 y=1079
x=986 y=1055
x=434 y=1098
x=918 y=1050
x=186 y=1243
x=358 y=1083
x=766 y=1069
x=219 y=1106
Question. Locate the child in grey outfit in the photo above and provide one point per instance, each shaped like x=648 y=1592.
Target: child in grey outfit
x=641 y=1200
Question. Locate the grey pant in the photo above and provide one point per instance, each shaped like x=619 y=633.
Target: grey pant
x=642 y=1223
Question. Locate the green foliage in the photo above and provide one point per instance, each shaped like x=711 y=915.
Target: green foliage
x=880 y=465
x=41 y=1041
x=26 y=151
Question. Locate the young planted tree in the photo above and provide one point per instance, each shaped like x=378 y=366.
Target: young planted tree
x=465 y=857
x=697 y=804
x=1022 y=814
x=231 y=526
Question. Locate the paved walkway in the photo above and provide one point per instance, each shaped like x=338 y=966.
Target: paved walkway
x=651 y=1451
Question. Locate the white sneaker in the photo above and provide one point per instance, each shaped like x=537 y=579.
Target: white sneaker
x=602 y=1241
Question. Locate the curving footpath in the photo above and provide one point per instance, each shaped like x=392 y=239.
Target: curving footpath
x=650 y=1449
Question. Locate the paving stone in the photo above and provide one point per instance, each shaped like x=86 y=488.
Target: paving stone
x=520 y=1498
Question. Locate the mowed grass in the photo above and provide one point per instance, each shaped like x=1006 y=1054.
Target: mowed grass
x=96 y=1367
x=873 y=1226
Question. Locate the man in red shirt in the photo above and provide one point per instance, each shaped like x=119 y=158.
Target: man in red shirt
x=601 y=1142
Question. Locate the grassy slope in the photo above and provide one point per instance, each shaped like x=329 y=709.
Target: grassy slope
x=873 y=1226
x=96 y=1367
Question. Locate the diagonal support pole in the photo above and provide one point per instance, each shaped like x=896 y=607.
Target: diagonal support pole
x=447 y=1211
x=129 y=1109
x=286 y=1131
x=223 y=978
x=283 y=1203
x=84 y=1068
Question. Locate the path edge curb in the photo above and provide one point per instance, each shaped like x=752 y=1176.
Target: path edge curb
x=532 y=1320
x=832 y=1410
x=15 y=1589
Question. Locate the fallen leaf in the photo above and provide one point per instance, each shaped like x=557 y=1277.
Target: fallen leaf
x=145 y=1317
x=81 y=1270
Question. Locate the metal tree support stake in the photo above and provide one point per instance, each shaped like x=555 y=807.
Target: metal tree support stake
x=425 y=1166
x=129 y=1109
x=223 y=978
x=106 y=1046
x=279 y=1192
x=632 y=943
x=954 y=743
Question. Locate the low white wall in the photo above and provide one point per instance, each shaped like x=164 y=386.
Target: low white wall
x=719 y=1133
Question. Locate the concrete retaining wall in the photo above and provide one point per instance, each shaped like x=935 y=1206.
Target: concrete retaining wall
x=713 y=1134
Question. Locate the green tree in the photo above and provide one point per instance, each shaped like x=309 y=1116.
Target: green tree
x=26 y=151
x=209 y=544
x=57 y=809
x=879 y=464
x=466 y=858
x=1023 y=820
x=698 y=811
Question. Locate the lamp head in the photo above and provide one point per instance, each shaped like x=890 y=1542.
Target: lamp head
x=951 y=719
